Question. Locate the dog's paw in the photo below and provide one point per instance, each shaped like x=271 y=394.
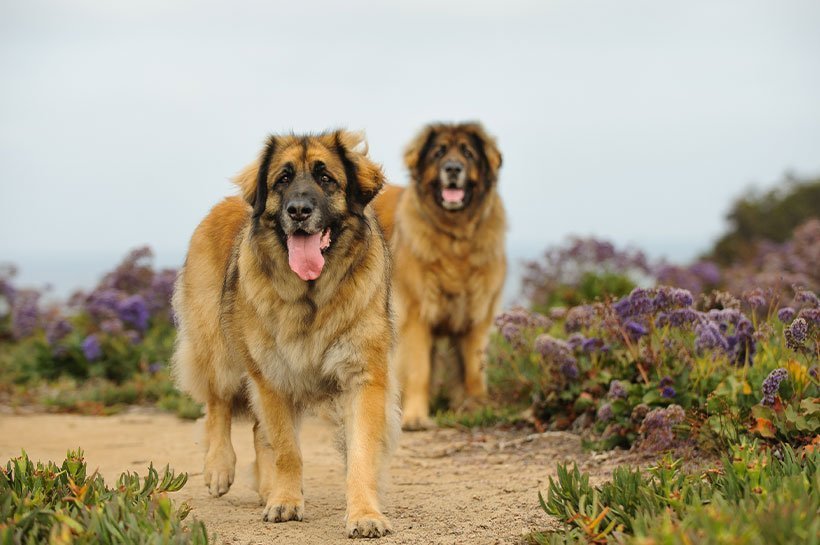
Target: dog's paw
x=280 y=510
x=417 y=423
x=368 y=525
x=219 y=472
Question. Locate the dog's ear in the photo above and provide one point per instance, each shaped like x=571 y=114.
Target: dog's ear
x=418 y=149
x=253 y=180
x=488 y=151
x=364 y=177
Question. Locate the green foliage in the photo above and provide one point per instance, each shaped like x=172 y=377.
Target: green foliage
x=63 y=504
x=33 y=358
x=482 y=417
x=758 y=496
x=772 y=215
x=590 y=286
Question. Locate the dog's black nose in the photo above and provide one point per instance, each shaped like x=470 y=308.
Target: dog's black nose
x=453 y=168
x=300 y=209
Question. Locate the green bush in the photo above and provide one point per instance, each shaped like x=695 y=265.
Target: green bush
x=63 y=504
x=771 y=216
x=757 y=496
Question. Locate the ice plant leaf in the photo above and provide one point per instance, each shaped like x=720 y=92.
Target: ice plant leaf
x=764 y=428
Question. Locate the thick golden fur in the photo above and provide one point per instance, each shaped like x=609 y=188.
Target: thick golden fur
x=449 y=266
x=251 y=329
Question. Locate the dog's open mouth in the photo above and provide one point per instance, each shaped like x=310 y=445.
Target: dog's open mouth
x=305 y=253
x=453 y=198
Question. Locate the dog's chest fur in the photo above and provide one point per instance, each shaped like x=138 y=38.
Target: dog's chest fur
x=454 y=275
x=306 y=366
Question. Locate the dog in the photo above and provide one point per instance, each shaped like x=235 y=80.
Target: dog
x=446 y=233
x=284 y=304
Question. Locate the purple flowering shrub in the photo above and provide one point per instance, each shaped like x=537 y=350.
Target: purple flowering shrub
x=658 y=366
x=587 y=270
x=582 y=270
x=775 y=267
x=120 y=333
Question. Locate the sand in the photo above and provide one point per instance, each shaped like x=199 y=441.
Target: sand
x=446 y=486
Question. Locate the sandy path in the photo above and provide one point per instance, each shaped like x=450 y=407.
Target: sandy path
x=447 y=486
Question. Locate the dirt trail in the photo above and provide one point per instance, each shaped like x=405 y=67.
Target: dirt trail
x=447 y=486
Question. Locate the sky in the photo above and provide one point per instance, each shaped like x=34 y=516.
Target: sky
x=639 y=121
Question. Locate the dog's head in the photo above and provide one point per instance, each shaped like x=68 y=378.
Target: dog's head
x=305 y=188
x=453 y=166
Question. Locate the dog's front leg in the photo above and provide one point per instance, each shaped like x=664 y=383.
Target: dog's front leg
x=279 y=461
x=366 y=437
x=220 y=459
x=472 y=347
x=415 y=343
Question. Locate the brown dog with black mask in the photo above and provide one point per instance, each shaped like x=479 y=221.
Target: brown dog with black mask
x=446 y=233
x=283 y=304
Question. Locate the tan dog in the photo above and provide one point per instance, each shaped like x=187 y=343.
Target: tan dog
x=284 y=300
x=446 y=232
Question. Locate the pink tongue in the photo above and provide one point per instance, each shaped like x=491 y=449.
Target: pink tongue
x=452 y=195
x=305 y=254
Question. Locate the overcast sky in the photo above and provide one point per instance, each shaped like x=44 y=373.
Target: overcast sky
x=636 y=120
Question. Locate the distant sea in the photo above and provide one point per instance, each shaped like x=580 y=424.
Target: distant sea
x=63 y=275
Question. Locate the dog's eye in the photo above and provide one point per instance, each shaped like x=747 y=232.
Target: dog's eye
x=440 y=152
x=284 y=179
x=325 y=179
x=466 y=152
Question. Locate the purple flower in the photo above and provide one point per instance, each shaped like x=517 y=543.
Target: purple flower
x=635 y=330
x=709 y=337
x=91 y=348
x=656 y=429
x=513 y=322
x=786 y=314
x=56 y=331
x=742 y=345
x=579 y=317
x=667 y=381
x=134 y=311
x=159 y=294
x=7 y=289
x=554 y=350
x=570 y=370
x=616 y=390
x=678 y=317
x=604 y=413
x=102 y=304
x=668 y=392
x=25 y=313
x=813 y=372
x=807 y=297
x=510 y=332
x=133 y=274
x=637 y=303
x=592 y=344
x=707 y=272
x=667 y=297
x=811 y=315
x=155 y=367
x=726 y=316
x=756 y=298
x=771 y=385
x=796 y=333
x=575 y=341
x=558 y=313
